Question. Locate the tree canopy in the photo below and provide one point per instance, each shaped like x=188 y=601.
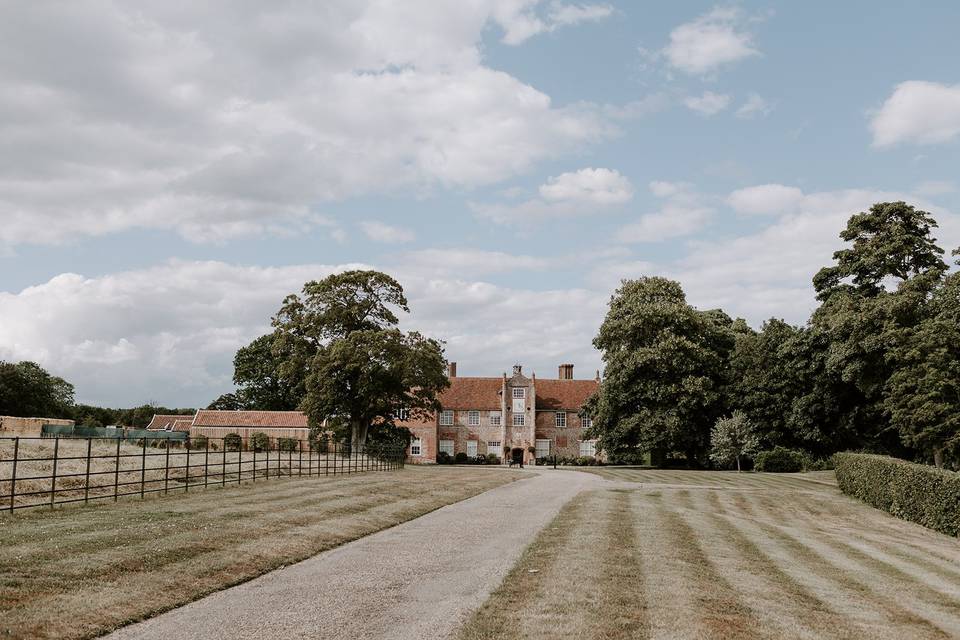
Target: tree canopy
x=26 y=389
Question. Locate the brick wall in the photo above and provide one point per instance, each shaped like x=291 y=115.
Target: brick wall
x=11 y=426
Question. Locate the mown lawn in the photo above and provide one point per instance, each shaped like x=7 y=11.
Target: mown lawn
x=721 y=555
x=78 y=572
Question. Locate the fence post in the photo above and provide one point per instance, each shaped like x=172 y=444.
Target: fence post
x=206 y=461
x=86 y=479
x=223 y=469
x=13 y=474
x=53 y=479
x=166 y=468
x=186 y=482
x=300 y=456
x=116 y=472
x=254 y=464
x=240 y=462
x=143 y=467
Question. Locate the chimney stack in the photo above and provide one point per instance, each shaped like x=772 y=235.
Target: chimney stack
x=566 y=372
x=517 y=369
x=452 y=369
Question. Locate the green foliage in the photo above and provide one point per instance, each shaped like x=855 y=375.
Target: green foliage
x=226 y=402
x=27 y=390
x=665 y=371
x=923 y=394
x=733 y=438
x=232 y=442
x=444 y=458
x=585 y=461
x=287 y=444
x=258 y=441
x=460 y=458
x=340 y=338
x=918 y=493
x=493 y=458
x=780 y=460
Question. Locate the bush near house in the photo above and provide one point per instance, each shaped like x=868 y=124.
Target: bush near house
x=232 y=442
x=919 y=493
x=444 y=458
x=493 y=458
x=461 y=458
x=287 y=444
x=259 y=441
x=197 y=442
x=780 y=460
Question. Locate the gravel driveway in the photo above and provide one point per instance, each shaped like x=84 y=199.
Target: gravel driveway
x=419 y=579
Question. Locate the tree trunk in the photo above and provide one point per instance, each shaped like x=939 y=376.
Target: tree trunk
x=358 y=434
x=938 y=457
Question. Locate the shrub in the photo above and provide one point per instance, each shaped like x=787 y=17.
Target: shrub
x=461 y=458
x=492 y=458
x=780 y=460
x=232 y=442
x=444 y=458
x=480 y=459
x=586 y=461
x=915 y=492
x=259 y=441
x=287 y=444
x=197 y=442
x=213 y=446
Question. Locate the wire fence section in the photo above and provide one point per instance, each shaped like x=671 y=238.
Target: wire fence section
x=38 y=472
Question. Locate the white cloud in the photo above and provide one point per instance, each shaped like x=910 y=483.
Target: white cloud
x=918 y=112
x=591 y=186
x=713 y=40
x=754 y=106
x=684 y=212
x=239 y=119
x=389 y=234
x=521 y=20
x=466 y=262
x=584 y=192
x=708 y=104
x=766 y=199
x=168 y=333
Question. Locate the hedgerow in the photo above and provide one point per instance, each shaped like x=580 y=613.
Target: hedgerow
x=915 y=492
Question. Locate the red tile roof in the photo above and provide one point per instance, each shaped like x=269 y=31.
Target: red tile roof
x=564 y=394
x=160 y=422
x=472 y=393
x=182 y=425
x=266 y=419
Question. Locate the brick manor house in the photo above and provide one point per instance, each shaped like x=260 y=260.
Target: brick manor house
x=484 y=415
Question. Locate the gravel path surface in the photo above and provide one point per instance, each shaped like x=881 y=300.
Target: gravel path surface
x=420 y=579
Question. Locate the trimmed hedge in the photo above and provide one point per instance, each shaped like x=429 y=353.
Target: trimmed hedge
x=780 y=460
x=915 y=492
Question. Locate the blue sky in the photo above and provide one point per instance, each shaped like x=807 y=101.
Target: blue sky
x=171 y=172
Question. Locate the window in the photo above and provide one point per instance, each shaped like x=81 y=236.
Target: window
x=473 y=418
x=588 y=448
x=494 y=448
x=495 y=418
x=416 y=447
x=519 y=392
x=518 y=420
x=586 y=422
x=403 y=415
x=561 y=418
x=446 y=446
x=472 y=448
x=446 y=417
x=543 y=448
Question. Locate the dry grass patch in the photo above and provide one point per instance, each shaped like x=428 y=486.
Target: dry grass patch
x=722 y=555
x=78 y=572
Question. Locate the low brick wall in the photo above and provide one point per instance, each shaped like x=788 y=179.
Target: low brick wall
x=11 y=426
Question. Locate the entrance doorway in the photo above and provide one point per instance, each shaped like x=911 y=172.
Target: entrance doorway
x=516 y=456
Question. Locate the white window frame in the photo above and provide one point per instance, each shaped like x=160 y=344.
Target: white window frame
x=586 y=422
x=416 y=447
x=560 y=419
x=495 y=417
x=591 y=449
x=446 y=418
x=473 y=418
x=519 y=393
x=495 y=447
x=445 y=446
x=472 y=448
x=540 y=450
x=519 y=420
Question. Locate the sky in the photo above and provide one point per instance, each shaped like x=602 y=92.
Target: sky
x=170 y=170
